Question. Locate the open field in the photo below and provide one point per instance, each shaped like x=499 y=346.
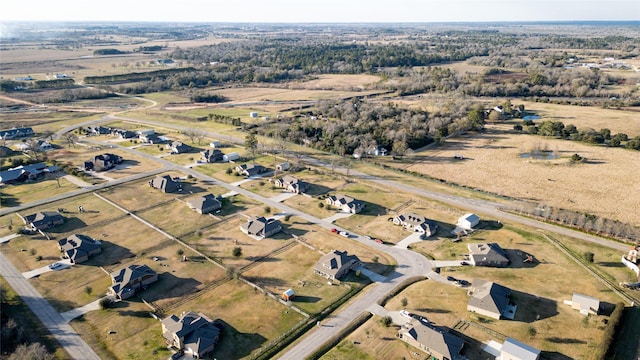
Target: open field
x=582 y=117
x=309 y=90
x=24 y=193
x=580 y=187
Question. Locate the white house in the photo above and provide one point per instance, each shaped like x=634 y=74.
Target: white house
x=513 y=349
x=468 y=221
x=215 y=144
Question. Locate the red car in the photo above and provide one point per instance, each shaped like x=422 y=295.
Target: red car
x=379 y=241
x=334 y=230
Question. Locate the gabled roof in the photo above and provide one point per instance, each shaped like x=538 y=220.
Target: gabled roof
x=260 y=226
x=332 y=262
x=587 y=303
x=123 y=277
x=487 y=252
x=197 y=331
x=205 y=202
x=78 y=246
x=43 y=218
x=519 y=350
x=439 y=339
x=489 y=296
x=164 y=183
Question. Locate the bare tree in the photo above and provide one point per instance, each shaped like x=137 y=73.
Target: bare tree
x=191 y=134
x=71 y=139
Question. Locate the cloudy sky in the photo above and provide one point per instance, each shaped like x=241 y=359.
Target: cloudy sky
x=318 y=10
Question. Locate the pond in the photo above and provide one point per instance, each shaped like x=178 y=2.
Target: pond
x=531 y=117
x=539 y=155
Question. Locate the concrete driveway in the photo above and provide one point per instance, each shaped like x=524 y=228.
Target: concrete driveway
x=72 y=314
x=33 y=273
x=283 y=196
x=336 y=216
x=413 y=238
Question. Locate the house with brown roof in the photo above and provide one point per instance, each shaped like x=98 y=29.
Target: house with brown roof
x=43 y=220
x=261 y=227
x=291 y=184
x=165 y=184
x=126 y=281
x=78 y=248
x=345 y=203
x=437 y=341
x=205 y=204
x=336 y=264
x=490 y=299
x=416 y=223
x=490 y=254
x=192 y=332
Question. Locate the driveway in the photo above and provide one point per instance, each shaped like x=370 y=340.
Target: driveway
x=413 y=238
x=5 y=239
x=375 y=277
x=336 y=216
x=283 y=196
x=72 y=314
x=33 y=273
x=447 y=263
x=50 y=318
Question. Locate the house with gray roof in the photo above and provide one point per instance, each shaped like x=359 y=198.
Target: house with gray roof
x=513 y=349
x=584 y=304
x=336 y=264
x=78 y=248
x=192 y=332
x=26 y=172
x=16 y=133
x=490 y=254
x=416 y=223
x=102 y=162
x=126 y=281
x=437 y=341
x=212 y=155
x=261 y=227
x=490 y=299
x=291 y=184
x=165 y=184
x=345 y=203
x=205 y=204
x=468 y=221
x=43 y=220
x=250 y=169
x=178 y=147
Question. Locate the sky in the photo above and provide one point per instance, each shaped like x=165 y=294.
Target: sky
x=305 y=11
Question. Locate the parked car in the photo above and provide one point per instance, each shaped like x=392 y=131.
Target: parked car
x=464 y=263
x=334 y=230
x=368 y=237
x=344 y=233
x=463 y=282
x=406 y=314
x=451 y=278
x=379 y=241
x=55 y=265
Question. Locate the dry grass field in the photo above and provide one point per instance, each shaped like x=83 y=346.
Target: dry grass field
x=624 y=121
x=493 y=163
x=20 y=194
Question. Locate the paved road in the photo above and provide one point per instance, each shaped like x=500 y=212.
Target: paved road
x=63 y=332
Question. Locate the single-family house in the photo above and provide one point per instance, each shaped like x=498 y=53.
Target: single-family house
x=26 y=172
x=102 y=162
x=141 y=132
x=215 y=144
x=205 y=204
x=34 y=145
x=291 y=184
x=126 y=281
x=194 y=333
x=123 y=134
x=78 y=248
x=98 y=130
x=585 y=304
x=468 y=221
x=251 y=169
x=490 y=299
x=490 y=254
x=43 y=220
x=178 y=147
x=345 y=203
x=151 y=138
x=437 y=341
x=5 y=151
x=16 y=133
x=513 y=349
x=283 y=166
x=212 y=155
x=336 y=264
x=261 y=227
x=165 y=183
x=230 y=157
x=416 y=223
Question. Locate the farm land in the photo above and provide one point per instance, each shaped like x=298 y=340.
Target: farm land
x=211 y=281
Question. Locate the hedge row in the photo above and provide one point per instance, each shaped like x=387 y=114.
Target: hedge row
x=610 y=332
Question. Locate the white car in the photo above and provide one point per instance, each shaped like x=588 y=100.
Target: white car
x=344 y=233
x=406 y=314
x=55 y=265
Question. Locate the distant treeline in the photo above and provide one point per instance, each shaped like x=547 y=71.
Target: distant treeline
x=108 y=52
x=208 y=98
x=135 y=76
x=11 y=85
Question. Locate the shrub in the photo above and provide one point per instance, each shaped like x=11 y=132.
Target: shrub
x=106 y=303
x=267 y=210
x=237 y=251
x=261 y=183
x=38 y=258
x=404 y=302
x=287 y=217
x=576 y=158
x=88 y=290
x=386 y=321
x=588 y=255
x=531 y=331
x=32 y=251
x=180 y=252
x=320 y=204
x=374 y=259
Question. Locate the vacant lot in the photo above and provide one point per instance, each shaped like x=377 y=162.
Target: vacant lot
x=492 y=162
x=24 y=193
